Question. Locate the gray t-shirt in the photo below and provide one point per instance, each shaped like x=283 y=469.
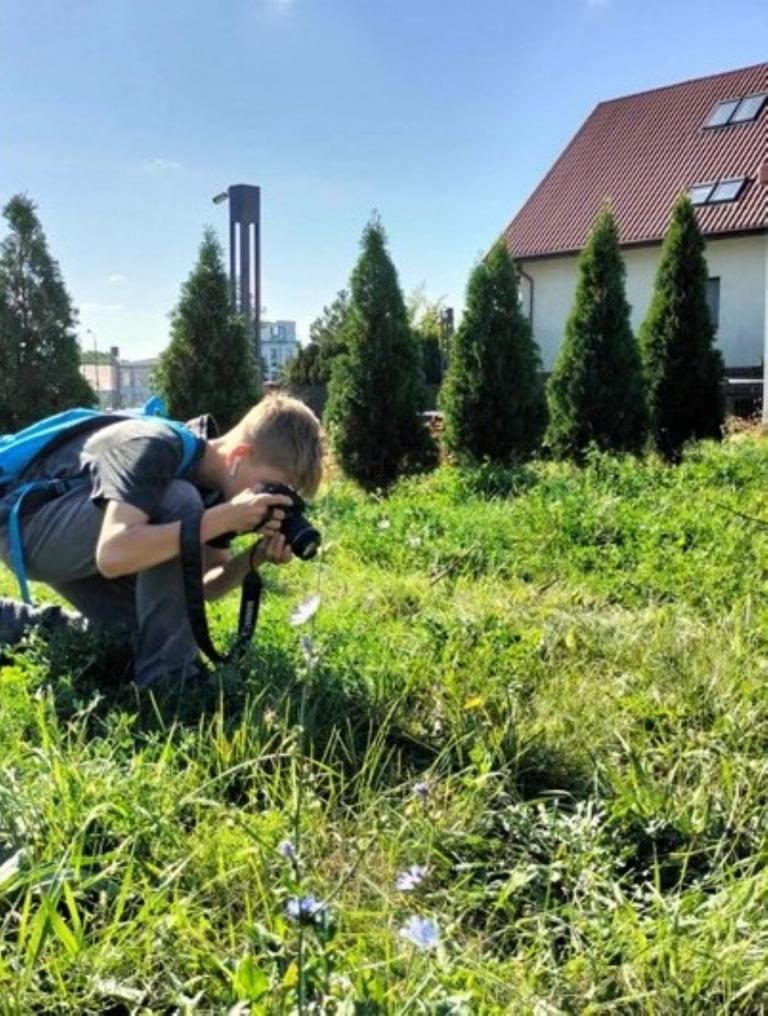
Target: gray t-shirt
x=130 y=461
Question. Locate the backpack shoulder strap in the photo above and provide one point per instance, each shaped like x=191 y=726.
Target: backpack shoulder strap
x=189 y=443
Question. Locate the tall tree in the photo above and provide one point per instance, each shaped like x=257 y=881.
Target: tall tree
x=39 y=353
x=683 y=368
x=312 y=365
x=596 y=392
x=376 y=389
x=209 y=364
x=425 y=317
x=492 y=398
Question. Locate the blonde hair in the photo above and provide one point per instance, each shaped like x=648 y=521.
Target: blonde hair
x=284 y=433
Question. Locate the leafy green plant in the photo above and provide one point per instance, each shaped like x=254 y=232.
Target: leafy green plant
x=492 y=398
x=677 y=339
x=515 y=760
x=596 y=393
x=209 y=365
x=377 y=386
x=38 y=345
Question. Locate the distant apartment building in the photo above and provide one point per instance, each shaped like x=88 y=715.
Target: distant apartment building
x=135 y=381
x=120 y=384
x=278 y=345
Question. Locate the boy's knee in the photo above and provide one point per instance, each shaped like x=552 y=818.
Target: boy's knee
x=180 y=500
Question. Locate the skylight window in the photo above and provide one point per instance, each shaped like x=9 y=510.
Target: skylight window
x=726 y=190
x=722 y=113
x=741 y=110
x=716 y=193
x=748 y=109
x=699 y=193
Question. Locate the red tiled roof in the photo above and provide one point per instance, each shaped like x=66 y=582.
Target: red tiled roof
x=639 y=152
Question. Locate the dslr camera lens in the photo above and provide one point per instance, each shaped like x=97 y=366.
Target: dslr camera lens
x=303 y=539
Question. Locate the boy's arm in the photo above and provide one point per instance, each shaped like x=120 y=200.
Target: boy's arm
x=128 y=543
x=225 y=572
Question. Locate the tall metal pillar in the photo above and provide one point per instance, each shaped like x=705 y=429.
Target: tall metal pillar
x=245 y=257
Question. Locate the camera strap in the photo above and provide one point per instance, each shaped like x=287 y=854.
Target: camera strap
x=192 y=570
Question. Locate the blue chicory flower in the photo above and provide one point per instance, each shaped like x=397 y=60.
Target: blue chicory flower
x=411 y=877
x=422 y=932
x=286 y=849
x=305 y=909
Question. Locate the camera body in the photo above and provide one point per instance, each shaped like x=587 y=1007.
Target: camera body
x=303 y=539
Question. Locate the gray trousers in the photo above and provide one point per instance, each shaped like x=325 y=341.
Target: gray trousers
x=60 y=541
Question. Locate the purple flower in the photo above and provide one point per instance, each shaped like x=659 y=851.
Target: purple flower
x=286 y=849
x=422 y=932
x=411 y=877
x=305 y=910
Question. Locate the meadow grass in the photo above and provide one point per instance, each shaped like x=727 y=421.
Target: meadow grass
x=546 y=685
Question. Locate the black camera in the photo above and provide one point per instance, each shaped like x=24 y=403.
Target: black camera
x=303 y=539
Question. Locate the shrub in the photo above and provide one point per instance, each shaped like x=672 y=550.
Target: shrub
x=209 y=365
x=492 y=396
x=38 y=347
x=682 y=367
x=596 y=392
x=376 y=389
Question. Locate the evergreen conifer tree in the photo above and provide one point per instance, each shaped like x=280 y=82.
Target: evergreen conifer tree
x=39 y=354
x=596 y=392
x=492 y=397
x=210 y=364
x=683 y=368
x=425 y=317
x=312 y=365
x=376 y=389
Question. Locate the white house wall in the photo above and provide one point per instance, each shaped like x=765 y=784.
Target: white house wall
x=739 y=262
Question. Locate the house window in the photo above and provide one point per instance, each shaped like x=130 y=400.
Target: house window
x=713 y=300
x=740 y=110
x=699 y=193
x=722 y=113
x=748 y=109
x=716 y=193
x=726 y=190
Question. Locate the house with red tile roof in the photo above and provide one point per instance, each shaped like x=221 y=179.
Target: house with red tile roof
x=708 y=137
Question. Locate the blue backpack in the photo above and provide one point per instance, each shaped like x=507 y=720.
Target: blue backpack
x=21 y=450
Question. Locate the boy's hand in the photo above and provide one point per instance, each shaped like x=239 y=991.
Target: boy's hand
x=248 y=511
x=272 y=550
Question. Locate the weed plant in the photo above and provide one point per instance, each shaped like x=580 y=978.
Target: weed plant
x=514 y=763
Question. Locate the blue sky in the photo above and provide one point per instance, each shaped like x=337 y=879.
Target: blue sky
x=121 y=119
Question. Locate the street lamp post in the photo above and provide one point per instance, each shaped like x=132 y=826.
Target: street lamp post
x=245 y=256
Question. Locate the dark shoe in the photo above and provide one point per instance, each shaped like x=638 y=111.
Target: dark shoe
x=18 y=619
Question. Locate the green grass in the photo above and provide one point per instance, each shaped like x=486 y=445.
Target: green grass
x=575 y=661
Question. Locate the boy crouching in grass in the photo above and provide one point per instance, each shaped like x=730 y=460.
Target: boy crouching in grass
x=111 y=546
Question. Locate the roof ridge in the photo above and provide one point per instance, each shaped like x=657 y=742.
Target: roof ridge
x=687 y=81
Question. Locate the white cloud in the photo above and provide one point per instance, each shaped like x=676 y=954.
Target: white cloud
x=160 y=165
x=117 y=279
